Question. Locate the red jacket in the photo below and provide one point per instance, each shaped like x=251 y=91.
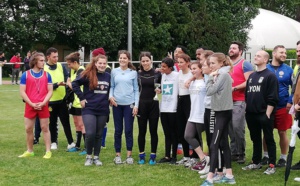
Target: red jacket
x=16 y=59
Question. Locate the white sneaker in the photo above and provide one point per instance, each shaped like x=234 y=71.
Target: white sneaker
x=53 y=146
x=183 y=161
x=71 y=145
x=205 y=170
x=297 y=179
x=204 y=176
x=129 y=160
x=118 y=160
x=190 y=163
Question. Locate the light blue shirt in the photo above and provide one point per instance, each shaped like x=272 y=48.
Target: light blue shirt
x=124 y=86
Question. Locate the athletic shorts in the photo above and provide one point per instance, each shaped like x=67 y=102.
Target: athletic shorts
x=31 y=113
x=75 y=111
x=283 y=120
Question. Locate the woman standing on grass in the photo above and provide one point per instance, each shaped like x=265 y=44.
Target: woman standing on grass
x=124 y=97
x=183 y=105
x=75 y=110
x=168 y=108
x=219 y=86
x=95 y=105
x=195 y=123
x=148 y=107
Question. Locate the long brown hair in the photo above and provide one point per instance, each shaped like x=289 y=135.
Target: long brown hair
x=74 y=57
x=130 y=65
x=91 y=71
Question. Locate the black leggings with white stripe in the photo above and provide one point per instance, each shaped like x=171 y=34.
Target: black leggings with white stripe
x=220 y=140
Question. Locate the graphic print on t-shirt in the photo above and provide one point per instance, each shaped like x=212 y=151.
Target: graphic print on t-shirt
x=167 y=89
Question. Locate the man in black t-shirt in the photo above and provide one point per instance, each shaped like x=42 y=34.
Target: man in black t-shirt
x=261 y=99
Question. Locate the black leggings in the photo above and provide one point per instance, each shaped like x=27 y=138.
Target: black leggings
x=168 y=121
x=94 y=126
x=148 y=111
x=220 y=140
x=183 y=114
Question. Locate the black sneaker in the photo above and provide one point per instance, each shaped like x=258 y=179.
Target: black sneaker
x=164 y=160
x=296 y=166
x=234 y=157
x=241 y=159
x=265 y=161
x=281 y=163
x=173 y=160
x=35 y=141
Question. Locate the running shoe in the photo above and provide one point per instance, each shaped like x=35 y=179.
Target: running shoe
x=190 y=163
x=82 y=153
x=164 y=160
x=296 y=166
x=48 y=155
x=252 y=166
x=281 y=163
x=183 y=161
x=129 y=160
x=206 y=183
x=118 y=160
x=26 y=154
x=97 y=162
x=88 y=161
x=270 y=170
x=71 y=145
x=53 y=146
x=225 y=179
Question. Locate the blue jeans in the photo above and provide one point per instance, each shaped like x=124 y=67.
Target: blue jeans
x=123 y=113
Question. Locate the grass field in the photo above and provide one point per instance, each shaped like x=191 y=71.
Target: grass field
x=66 y=168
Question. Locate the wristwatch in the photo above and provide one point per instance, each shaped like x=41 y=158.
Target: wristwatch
x=235 y=89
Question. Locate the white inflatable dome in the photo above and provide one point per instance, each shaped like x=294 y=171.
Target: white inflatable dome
x=271 y=29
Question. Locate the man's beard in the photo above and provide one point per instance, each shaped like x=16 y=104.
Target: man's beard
x=233 y=55
x=298 y=59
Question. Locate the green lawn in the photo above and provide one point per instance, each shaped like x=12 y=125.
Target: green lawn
x=67 y=168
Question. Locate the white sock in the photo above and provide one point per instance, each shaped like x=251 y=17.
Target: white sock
x=229 y=176
x=266 y=154
x=283 y=156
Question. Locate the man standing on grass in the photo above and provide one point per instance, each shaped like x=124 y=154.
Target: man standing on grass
x=241 y=71
x=16 y=59
x=261 y=100
x=57 y=105
x=283 y=120
x=36 y=90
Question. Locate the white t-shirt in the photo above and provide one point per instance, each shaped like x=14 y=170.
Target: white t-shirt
x=169 y=91
x=197 y=93
x=182 y=78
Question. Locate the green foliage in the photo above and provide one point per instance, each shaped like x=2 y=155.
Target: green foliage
x=290 y=8
x=158 y=25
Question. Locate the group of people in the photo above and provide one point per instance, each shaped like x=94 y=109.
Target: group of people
x=217 y=94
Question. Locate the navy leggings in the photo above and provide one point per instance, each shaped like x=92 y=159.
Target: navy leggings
x=123 y=113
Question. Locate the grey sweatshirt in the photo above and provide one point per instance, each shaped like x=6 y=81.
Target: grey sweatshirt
x=221 y=92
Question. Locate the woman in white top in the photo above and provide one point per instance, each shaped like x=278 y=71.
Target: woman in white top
x=195 y=123
x=168 y=108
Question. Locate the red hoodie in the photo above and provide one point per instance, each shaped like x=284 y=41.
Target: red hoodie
x=16 y=59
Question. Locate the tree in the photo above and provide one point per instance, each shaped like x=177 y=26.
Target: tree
x=158 y=25
x=289 y=8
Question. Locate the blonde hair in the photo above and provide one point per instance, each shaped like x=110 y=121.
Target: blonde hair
x=223 y=59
